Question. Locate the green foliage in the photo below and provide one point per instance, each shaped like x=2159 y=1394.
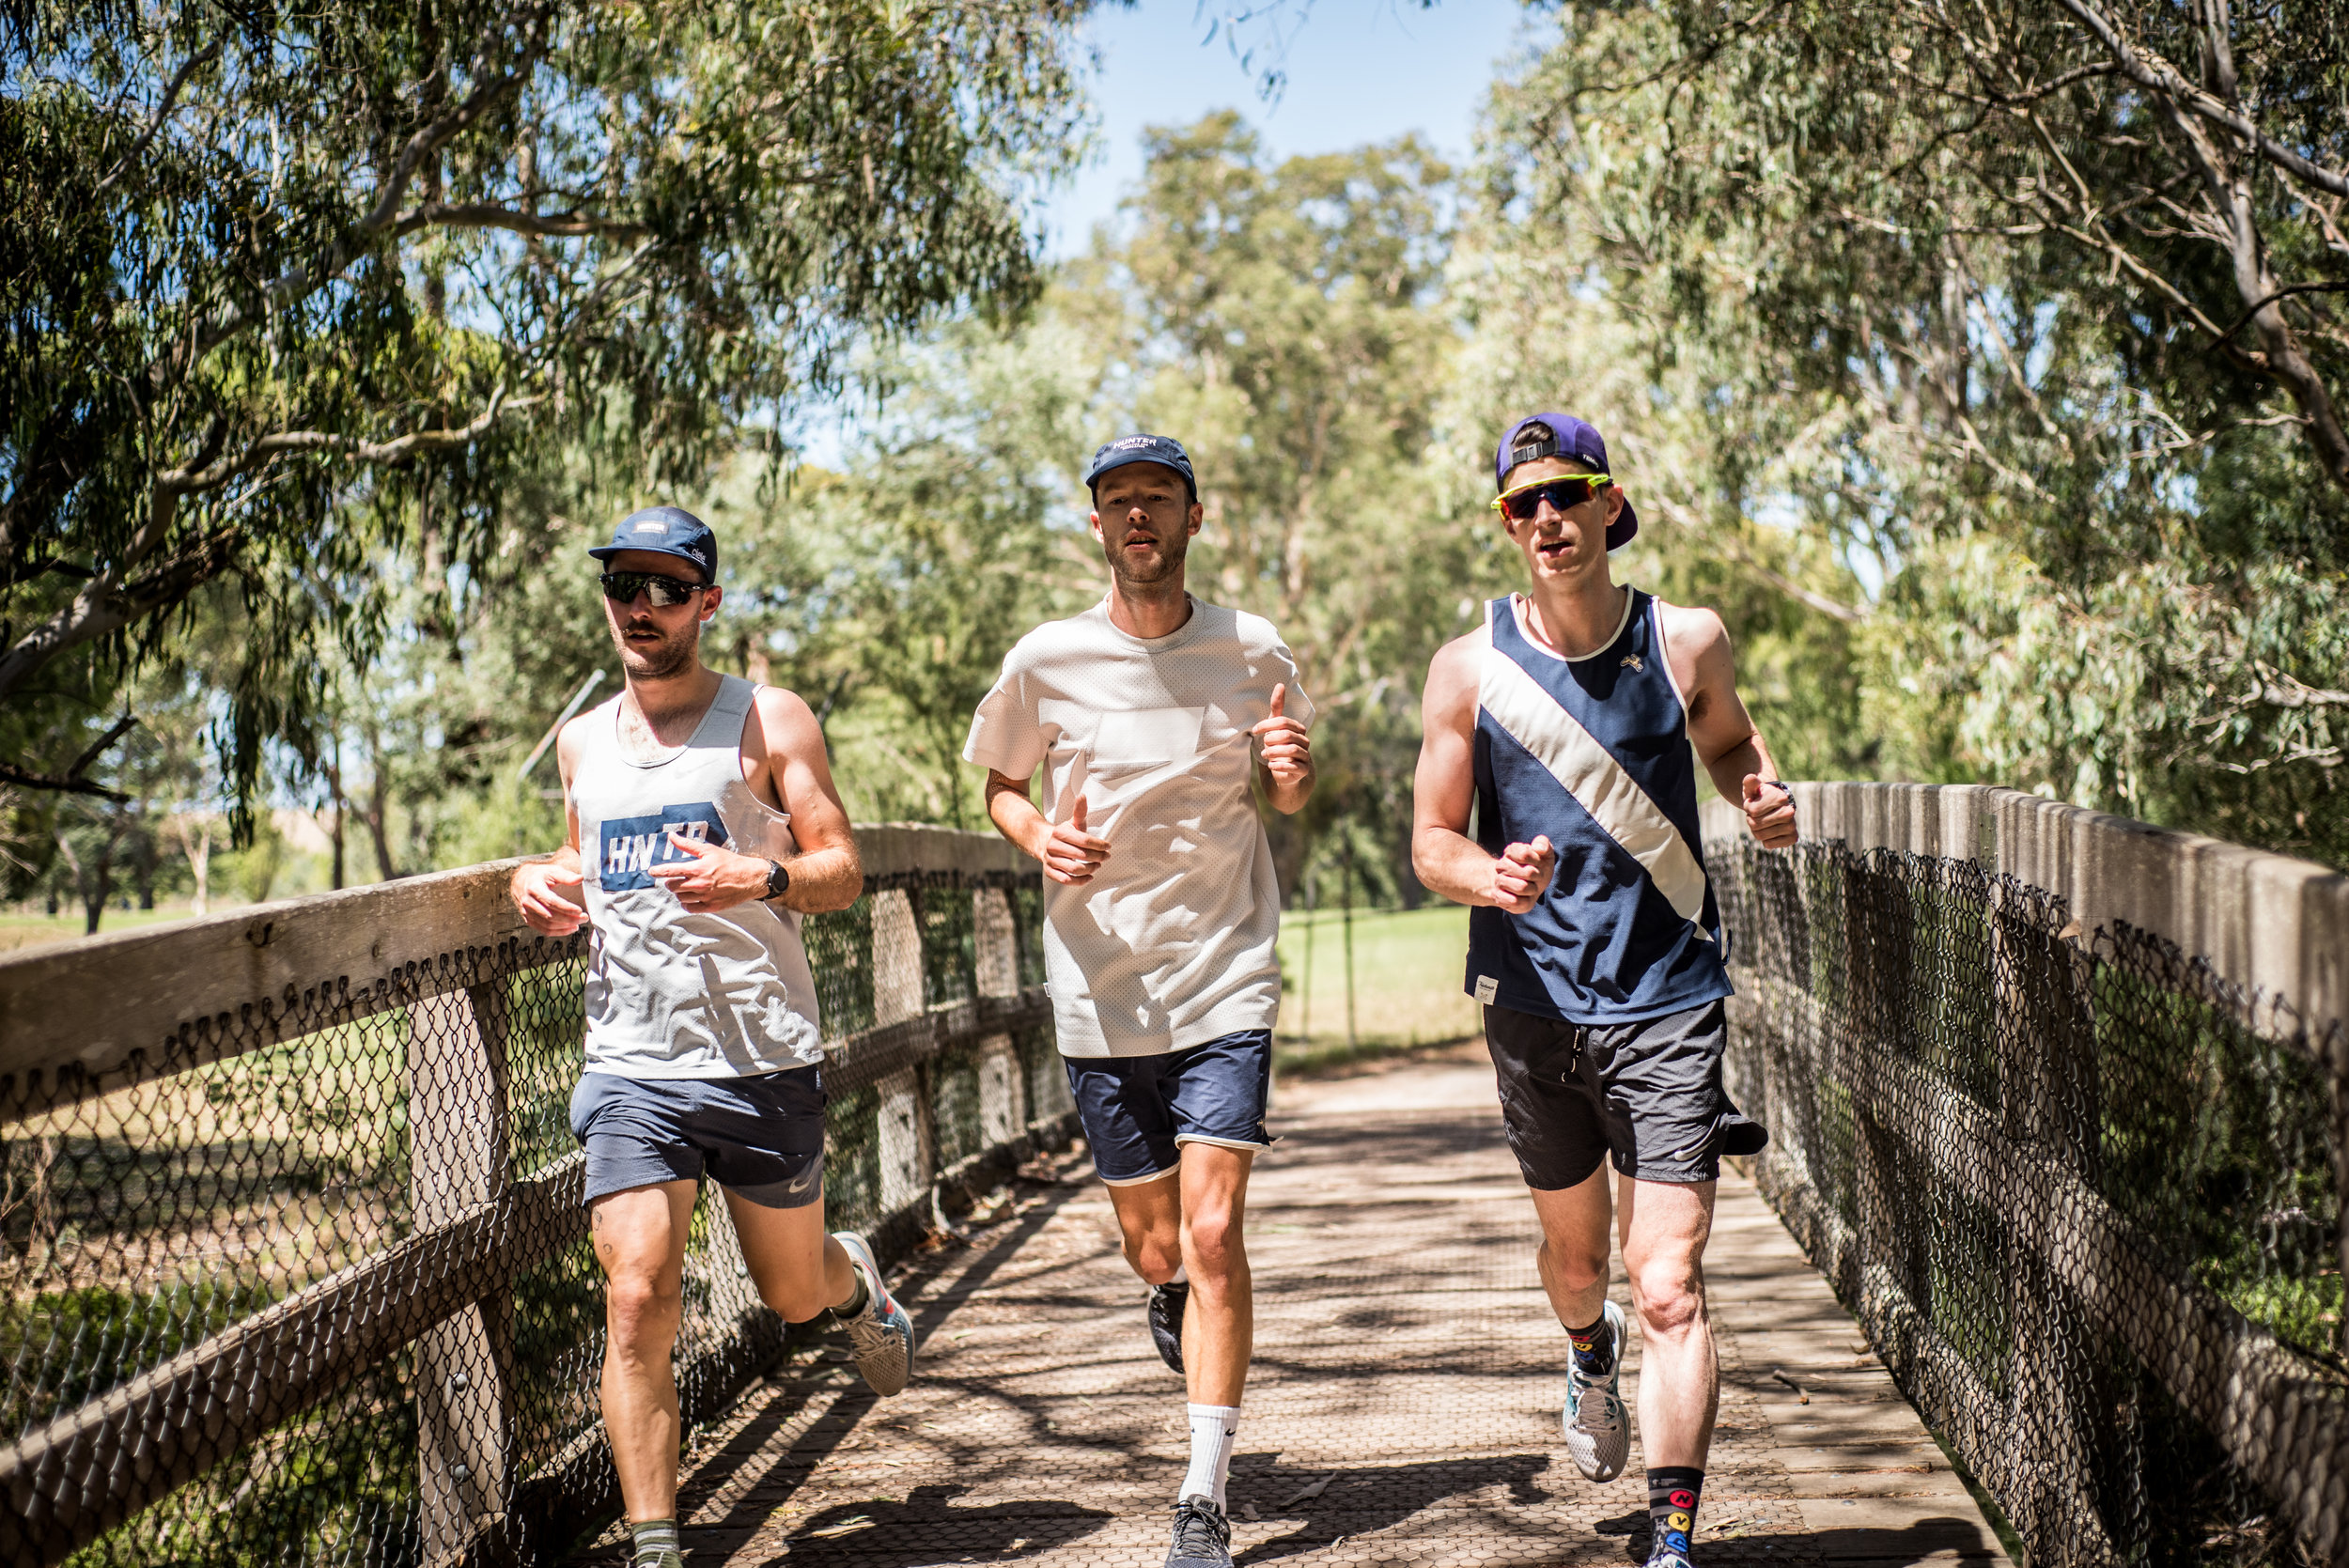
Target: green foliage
x=295 y=300
x=1926 y=339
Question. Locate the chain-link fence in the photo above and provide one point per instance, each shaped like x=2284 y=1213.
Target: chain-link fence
x=293 y=1265
x=2081 y=1190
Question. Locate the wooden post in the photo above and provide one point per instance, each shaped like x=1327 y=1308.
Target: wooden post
x=903 y=1134
x=460 y=1156
x=1003 y=1098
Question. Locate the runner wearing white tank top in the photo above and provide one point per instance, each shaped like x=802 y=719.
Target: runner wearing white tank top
x=703 y=824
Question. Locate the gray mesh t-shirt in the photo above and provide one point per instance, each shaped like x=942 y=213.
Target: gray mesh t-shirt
x=1170 y=944
x=672 y=995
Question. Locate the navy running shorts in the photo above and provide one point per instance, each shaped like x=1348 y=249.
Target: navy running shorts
x=1138 y=1110
x=762 y=1138
x=1649 y=1094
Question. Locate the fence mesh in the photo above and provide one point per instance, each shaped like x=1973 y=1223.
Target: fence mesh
x=328 y=1299
x=2078 y=1190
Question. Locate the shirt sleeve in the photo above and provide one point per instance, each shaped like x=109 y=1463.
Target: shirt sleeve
x=1277 y=666
x=1005 y=733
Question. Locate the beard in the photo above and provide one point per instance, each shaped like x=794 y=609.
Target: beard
x=1157 y=572
x=671 y=655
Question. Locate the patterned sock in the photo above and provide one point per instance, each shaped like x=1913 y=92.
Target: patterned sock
x=1671 y=1510
x=655 y=1545
x=1595 y=1347
x=1214 y=1430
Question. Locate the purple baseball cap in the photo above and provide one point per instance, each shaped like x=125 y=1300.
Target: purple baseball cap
x=1575 y=440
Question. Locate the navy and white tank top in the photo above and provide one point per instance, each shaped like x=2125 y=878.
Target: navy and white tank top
x=672 y=995
x=1592 y=751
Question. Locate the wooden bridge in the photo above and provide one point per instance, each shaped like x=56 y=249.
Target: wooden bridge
x=294 y=1271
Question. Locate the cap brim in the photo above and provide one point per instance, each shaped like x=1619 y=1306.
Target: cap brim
x=1093 y=480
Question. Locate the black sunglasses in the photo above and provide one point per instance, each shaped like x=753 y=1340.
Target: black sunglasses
x=623 y=587
x=1559 y=493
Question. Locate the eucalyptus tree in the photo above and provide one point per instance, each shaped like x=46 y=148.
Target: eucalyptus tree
x=1950 y=298
x=288 y=293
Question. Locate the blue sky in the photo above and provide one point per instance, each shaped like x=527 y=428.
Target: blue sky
x=1359 y=71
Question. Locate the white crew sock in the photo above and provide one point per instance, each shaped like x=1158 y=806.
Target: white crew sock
x=1214 y=1428
x=1182 y=1275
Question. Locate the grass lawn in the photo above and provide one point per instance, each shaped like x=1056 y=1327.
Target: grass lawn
x=35 y=929
x=1407 y=981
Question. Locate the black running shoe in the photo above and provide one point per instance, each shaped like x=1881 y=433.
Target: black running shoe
x=1203 y=1536
x=1166 y=1320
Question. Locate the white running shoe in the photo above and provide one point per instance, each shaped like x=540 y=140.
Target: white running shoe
x=881 y=1336
x=1598 y=1428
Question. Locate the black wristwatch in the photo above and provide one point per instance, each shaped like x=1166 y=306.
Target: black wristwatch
x=778 y=879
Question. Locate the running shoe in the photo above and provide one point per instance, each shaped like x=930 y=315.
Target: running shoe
x=1166 y=1320
x=1203 y=1536
x=882 y=1334
x=1598 y=1429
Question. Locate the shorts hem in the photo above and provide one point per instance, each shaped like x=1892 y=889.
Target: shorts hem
x=588 y=1195
x=1136 y=1181
x=1183 y=1138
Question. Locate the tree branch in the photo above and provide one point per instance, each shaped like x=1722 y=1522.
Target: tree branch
x=2153 y=73
x=551 y=226
x=71 y=782
x=194 y=63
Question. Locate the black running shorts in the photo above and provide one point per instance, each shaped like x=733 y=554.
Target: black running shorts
x=1650 y=1094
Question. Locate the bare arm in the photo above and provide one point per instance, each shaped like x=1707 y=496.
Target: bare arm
x=1733 y=754
x=546 y=891
x=1068 y=853
x=785 y=748
x=1445 y=858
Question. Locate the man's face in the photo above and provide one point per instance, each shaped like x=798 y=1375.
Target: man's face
x=655 y=642
x=1568 y=545
x=1144 y=515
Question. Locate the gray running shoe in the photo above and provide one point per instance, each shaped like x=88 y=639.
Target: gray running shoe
x=1166 y=1321
x=1598 y=1429
x=1203 y=1536
x=882 y=1334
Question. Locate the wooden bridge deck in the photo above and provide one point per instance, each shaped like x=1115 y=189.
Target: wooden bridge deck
x=1404 y=1407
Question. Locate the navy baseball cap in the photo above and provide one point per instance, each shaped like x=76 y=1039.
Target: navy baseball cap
x=1162 y=450
x=1577 y=441
x=665 y=530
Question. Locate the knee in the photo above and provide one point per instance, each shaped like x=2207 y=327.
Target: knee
x=794 y=1300
x=1668 y=1296
x=1211 y=1244
x=1574 y=1265
x=641 y=1311
x=1153 y=1256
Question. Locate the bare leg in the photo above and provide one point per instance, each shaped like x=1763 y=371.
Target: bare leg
x=1192 y=1219
x=1220 y=1325
x=799 y=1270
x=639 y=1241
x=1573 y=1254
x=1665 y=1227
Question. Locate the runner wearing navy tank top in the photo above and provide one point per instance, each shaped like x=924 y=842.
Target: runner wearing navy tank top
x=1571 y=724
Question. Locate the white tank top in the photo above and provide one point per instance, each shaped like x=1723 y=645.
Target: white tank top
x=671 y=995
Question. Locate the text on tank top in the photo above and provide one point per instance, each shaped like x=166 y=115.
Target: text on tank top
x=670 y=994
x=1591 y=752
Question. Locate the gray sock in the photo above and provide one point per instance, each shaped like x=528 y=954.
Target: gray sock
x=654 y=1544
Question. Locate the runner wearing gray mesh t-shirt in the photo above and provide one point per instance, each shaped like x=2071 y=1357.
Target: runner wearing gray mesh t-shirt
x=1148 y=717
x=703 y=824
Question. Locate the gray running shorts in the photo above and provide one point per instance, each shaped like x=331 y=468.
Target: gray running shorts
x=760 y=1137
x=1649 y=1094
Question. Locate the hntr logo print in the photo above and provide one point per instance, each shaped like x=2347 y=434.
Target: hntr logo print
x=633 y=845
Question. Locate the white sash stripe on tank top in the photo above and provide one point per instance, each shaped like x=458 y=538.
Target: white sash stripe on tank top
x=1589 y=772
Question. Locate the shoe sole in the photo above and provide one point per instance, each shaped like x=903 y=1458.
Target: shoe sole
x=884 y=1351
